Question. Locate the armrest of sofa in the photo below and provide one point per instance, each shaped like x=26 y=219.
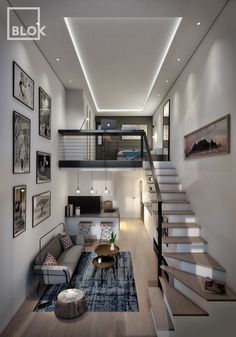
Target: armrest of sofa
x=53 y=274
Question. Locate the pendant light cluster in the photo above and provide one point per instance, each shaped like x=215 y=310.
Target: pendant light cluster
x=92 y=191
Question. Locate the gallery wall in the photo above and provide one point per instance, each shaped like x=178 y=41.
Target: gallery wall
x=204 y=92
x=16 y=254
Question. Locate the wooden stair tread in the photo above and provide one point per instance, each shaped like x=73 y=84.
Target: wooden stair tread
x=172 y=191
x=179 y=304
x=178 y=213
x=183 y=240
x=202 y=259
x=180 y=225
x=159 y=310
x=177 y=201
x=196 y=283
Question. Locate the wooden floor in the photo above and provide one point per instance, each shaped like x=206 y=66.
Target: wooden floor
x=133 y=238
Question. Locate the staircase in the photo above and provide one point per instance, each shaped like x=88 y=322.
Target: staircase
x=181 y=307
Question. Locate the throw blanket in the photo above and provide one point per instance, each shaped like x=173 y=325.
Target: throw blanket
x=131 y=155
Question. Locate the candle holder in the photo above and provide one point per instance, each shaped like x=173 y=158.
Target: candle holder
x=99 y=260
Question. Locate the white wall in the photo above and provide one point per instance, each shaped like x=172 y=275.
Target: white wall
x=75 y=113
x=16 y=255
x=204 y=92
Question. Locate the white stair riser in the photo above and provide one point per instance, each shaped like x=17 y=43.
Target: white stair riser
x=173 y=196
x=184 y=231
x=161 y=333
x=167 y=179
x=176 y=207
x=181 y=218
x=185 y=248
x=192 y=295
x=170 y=187
x=166 y=171
x=196 y=269
x=163 y=164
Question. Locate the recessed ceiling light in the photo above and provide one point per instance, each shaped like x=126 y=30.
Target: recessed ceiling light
x=167 y=81
x=158 y=95
x=70 y=81
x=178 y=59
x=198 y=23
x=57 y=59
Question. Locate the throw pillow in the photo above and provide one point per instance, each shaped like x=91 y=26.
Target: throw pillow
x=66 y=242
x=50 y=260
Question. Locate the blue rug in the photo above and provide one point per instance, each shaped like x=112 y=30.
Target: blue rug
x=112 y=293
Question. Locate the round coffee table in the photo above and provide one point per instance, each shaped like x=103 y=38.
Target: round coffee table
x=70 y=303
x=104 y=250
x=106 y=263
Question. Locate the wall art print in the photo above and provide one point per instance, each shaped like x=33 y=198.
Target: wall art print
x=19 y=210
x=44 y=114
x=41 y=207
x=43 y=167
x=212 y=139
x=21 y=143
x=23 y=86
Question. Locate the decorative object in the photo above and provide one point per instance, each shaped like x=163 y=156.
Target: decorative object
x=41 y=207
x=43 y=167
x=70 y=303
x=166 y=131
x=19 y=210
x=112 y=241
x=77 y=211
x=50 y=260
x=66 y=242
x=44 y=114
x=21 y=143
x=133 y=127
x=212 y=139
x=23 y=86
x=121 y=296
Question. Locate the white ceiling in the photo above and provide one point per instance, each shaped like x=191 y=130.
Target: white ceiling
x=121 y=45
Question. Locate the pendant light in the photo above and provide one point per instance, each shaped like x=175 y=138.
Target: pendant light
x=92 y=190
x=106 y=190
x=78 y=189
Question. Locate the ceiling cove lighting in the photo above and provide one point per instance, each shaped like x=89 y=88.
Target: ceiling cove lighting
x=152 y=83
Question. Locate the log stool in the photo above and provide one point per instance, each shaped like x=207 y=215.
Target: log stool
x=70 y=303
x=85 y=237
x=106 y=229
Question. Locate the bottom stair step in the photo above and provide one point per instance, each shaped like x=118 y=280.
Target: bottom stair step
x=160 y=315
x=179 y=304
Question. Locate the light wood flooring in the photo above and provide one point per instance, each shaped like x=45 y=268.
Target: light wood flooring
x=133 y=238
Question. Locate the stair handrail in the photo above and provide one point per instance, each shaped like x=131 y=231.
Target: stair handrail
x=159 y=207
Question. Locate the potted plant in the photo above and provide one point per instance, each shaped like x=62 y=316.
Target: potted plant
x=112 y=240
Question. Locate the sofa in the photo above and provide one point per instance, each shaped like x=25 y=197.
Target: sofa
x=67 y=261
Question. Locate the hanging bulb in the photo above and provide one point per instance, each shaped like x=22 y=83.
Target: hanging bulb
x=92 y=190
x=106 y=190
x=78 y=190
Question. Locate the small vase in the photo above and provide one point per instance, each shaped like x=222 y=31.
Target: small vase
x=112 y=246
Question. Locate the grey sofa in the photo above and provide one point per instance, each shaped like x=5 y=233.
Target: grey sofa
x=66 y=259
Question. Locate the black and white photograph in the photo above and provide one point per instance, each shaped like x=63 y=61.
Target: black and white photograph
x=19 y=210
x=23 y=86
x=21 y=143
x=43 y=167
x=44 y=114
x=41 y=207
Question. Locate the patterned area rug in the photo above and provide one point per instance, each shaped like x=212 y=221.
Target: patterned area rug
x=110 y=293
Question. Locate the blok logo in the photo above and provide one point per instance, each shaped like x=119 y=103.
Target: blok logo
x=18 y=31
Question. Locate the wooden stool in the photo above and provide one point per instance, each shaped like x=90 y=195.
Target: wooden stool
x=70 y=303
x=85 y=233
x=106 y=227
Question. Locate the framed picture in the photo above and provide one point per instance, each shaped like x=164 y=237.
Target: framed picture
x=43 y=167
x=133 y=127
x=44 y=114
x=41 y=207
x=19 y=210
x=21 y=143
x=23 y=86
x=212 y=139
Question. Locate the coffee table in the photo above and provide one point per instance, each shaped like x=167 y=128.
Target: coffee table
x=106 y=263
x=104 y=250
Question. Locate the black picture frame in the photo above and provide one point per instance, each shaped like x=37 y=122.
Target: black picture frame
x=19 y=210
x=41 y=207
x=166 y=131
x=23 y=86
x=210 y=140
x=21 y=143
x=43 y=167
x=45 y=108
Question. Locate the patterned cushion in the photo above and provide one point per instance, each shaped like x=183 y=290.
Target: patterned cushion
x=66 y=242
x=50 y=260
